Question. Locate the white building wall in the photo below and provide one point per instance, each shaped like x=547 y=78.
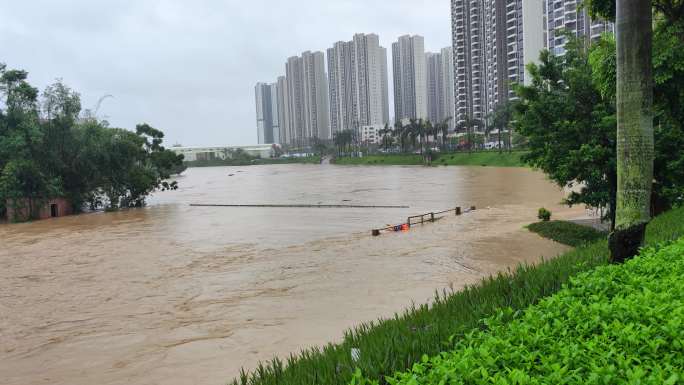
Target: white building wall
x=420 y=74
x=448 y=101
x=275 y=123
x=410 y=78
x=260 y=119
x=283 y=111
x=533 y=33
x=384 y=85
x=357 y=73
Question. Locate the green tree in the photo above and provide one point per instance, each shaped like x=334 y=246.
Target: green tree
x=443 y=128
x=569 y=127
x=469 y=125
x=500 y=119
x=47 y=149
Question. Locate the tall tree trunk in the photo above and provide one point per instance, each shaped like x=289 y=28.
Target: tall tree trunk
x=635 y=127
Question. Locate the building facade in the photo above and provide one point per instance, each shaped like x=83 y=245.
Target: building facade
x=357 y=78
x=370 y=134
x=306 y=99
x=283 y=111
x=493 y=41
x=266 y=98
x=410 y=78
x=440 y=86
x=563 y=17
x=192 y=154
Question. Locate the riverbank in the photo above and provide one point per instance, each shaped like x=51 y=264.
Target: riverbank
x=393 y=345
x=617 y=323
x=484 y=158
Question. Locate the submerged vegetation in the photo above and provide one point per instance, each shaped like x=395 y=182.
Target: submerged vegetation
x=49 y=149
x=616 y=324
x=249 y=160
x=483 y=158
x=388 y=346
x=567 y=233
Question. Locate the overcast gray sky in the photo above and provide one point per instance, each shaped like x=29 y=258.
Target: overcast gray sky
x=189 y=67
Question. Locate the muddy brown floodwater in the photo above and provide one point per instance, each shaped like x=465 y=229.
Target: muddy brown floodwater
x=173 y=294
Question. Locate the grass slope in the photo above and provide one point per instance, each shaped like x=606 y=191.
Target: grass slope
x=616 y=324
x=392 y=345
x=486 y=158
x=567 y=233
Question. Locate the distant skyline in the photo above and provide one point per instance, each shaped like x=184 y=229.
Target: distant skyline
x=190 y=68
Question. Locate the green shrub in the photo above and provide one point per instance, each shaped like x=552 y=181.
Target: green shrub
x=567 y=233
x=544 y=214
x=616 y=324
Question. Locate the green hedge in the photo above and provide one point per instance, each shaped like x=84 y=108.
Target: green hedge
x=616 y=324
x=392 y=345
x=567 y=233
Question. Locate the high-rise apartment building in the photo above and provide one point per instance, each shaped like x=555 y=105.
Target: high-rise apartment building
x=268 y=129
x=440 y=85
x=283 y=111
x=306 y=94
x=568 y=16
x=410 y=78
x=493 y=41
x=357 y=73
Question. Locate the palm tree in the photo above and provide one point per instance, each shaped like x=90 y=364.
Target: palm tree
x=469 y=125
x=399 y=133
x=385 y=133
x=500 y=119
x=443 y=127
x=429 y=131
x=634 y=36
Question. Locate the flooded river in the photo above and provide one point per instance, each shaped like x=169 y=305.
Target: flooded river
x=174 y=294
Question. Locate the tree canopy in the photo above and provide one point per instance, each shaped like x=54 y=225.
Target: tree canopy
x=567 y=115
x=49 y=149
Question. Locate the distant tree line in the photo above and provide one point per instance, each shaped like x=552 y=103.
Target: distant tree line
x=49 y=149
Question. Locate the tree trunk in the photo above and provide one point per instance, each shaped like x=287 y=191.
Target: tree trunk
x=635 y=127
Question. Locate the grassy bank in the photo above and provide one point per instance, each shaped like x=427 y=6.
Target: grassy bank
x=392 y=345
x=615 y=324
x=567 y=233
x=485 y=158
x=252 y=162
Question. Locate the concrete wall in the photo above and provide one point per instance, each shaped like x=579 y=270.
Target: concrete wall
x=20 y=210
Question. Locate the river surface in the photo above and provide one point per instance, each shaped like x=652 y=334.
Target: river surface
x=173 y=294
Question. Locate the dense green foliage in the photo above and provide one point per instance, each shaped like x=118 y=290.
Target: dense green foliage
x=616 y=324
x=568 y=115
x=485 y=158
x=544 y=214
x=568 y=233
x=392 y=345
x=49 y=149
x=569 y=127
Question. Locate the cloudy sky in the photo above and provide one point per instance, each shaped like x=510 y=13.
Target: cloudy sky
x=189 y=67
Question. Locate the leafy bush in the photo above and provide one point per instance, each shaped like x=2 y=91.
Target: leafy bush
x=616 y=324
x=567 y=233
x=544 y=214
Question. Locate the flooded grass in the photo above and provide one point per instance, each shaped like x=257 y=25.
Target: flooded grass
x=483 y=158
x=567 y=233
x=387 y=346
